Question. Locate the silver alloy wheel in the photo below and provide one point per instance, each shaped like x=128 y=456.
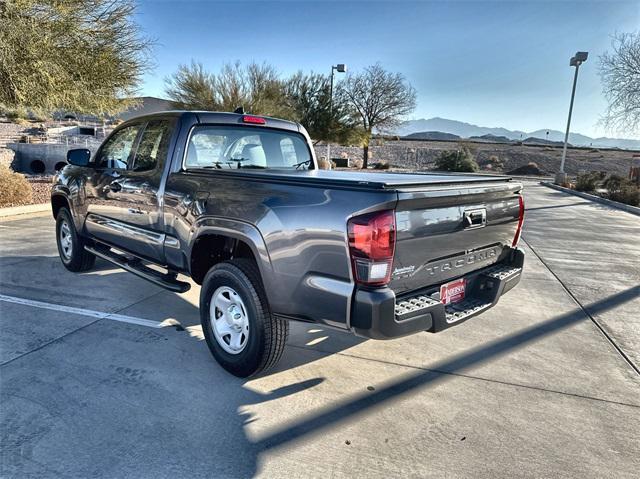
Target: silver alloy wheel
x=229 y=320
x=66 y=243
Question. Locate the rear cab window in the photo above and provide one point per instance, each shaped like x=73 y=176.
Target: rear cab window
x=231 y=147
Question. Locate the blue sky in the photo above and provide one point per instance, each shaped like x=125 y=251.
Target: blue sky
x=489 y=63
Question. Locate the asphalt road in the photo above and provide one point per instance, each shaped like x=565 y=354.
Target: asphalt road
x=105 y=375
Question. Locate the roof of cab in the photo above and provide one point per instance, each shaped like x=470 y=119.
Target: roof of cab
x=217 y=117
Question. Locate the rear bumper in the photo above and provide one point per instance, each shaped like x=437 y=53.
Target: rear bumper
x=378 y=314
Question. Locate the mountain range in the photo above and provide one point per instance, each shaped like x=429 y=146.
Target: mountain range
x=467 y=130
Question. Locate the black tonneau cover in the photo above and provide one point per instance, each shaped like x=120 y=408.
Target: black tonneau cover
x=362 y=179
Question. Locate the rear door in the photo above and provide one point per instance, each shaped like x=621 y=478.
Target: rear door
x=448 y=231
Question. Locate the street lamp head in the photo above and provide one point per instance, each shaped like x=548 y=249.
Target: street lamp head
x=341 y=67
x=578 y=59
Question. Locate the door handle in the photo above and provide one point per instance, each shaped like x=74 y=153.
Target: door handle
x=115 y=186
x=136 y=211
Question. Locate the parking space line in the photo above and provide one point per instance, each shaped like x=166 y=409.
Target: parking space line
x=82 y=312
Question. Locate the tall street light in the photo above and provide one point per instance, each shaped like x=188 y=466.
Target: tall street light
x=340 y=68
x=578 y=59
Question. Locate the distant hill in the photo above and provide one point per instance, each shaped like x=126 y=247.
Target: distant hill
x=432 y=135
x=539 y=141
x=468 y=130
x=146 y=105
x=492 y=138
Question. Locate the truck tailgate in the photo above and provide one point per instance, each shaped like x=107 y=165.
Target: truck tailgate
x=444 y=232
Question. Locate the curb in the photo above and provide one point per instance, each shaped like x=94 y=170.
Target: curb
x=634 y=210
x=24 y=210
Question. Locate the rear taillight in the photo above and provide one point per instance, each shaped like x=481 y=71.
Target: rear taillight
x=516 y=238
x=372 y=242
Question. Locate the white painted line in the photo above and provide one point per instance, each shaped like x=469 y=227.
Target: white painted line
x=83 y=312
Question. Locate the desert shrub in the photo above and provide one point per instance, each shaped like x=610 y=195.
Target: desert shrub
x=496 y=162
x=622 y=190
x=382 y=165
x=14 y=188
x=357 y=163
x=629 y=195
x=492 y=163
x=615 y=183
x=459 y=160
x=589 y=181
x=15 y=114
x=530 y=168
x=324 y=164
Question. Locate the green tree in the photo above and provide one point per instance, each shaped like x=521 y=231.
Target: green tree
x=309 y=97
x=380 y=99
x=256 y=87
x=81 y=55
x=192 y=88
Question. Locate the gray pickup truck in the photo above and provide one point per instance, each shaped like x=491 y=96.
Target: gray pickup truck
x=238 y=203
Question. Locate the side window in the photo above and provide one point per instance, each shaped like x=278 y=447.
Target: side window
x=116 y=151
x=154 y=145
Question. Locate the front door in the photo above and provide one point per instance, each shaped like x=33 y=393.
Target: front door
x=125 y=209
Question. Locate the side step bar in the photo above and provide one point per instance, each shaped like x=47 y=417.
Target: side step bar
x=135 y=266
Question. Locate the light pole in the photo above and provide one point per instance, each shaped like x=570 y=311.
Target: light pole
x=578 y=59
x=341 y=68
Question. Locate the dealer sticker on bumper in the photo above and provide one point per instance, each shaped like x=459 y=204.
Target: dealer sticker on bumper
x=453 y=292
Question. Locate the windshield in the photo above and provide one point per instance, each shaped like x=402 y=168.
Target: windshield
x=230 y=147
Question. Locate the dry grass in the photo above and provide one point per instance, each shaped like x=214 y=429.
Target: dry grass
x=14 y=188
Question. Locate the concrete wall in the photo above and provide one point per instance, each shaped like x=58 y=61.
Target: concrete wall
x=42 y=157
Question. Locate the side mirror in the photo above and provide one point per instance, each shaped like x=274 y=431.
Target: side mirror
x=79 y=157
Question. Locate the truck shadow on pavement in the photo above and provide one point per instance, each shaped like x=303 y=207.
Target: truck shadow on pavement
x=440 y=372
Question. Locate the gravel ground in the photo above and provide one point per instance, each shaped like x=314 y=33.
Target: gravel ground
x=41 y=186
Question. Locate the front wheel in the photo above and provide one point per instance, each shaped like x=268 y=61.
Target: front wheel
x=242 y=334
x=71 y=245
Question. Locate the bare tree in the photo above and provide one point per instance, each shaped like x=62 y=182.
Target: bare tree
x=380 y=98
x=620 y=74
x=82 y=55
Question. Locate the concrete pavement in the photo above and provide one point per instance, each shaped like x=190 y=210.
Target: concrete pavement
x=531 y=388
x=604 y=259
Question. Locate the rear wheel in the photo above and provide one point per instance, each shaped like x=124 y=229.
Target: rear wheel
x=242 y=334
x=71 y=245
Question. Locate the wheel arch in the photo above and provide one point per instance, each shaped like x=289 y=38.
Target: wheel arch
x=59 y=201
x=216 y=239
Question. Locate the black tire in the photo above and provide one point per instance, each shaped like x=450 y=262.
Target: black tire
x=76 y=258
x=267 y=334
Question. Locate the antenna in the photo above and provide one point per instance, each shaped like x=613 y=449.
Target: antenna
x=239 y=110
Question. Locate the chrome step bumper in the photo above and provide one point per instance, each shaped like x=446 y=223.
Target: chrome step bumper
x=483 y=290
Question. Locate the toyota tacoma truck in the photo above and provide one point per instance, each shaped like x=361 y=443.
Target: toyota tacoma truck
x=237 y=203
